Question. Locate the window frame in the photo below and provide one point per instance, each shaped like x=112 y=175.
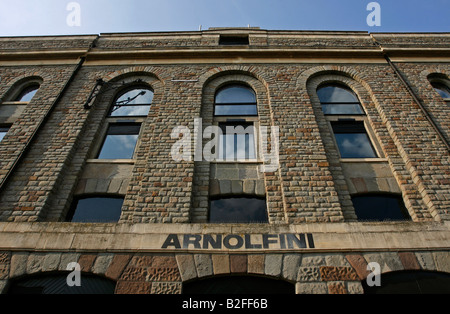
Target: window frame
x=345 y=88
x=368 y=131
x=234 y=85
x=125 y=91
x=118 y=123
x=25 y=90
x=117 y=120
x=222 y=125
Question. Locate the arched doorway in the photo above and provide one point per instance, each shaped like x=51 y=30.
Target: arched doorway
x=56 y=283
x=411 y=282
x=238 y=285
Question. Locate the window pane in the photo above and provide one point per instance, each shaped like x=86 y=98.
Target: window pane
x=27 y=94
x=342 y=109
x=442 y=91
x=236 y=110
x=141 y=96
x=119 y=111
x=133 y=103
x=98 y=209
x=335 y=94
x=238 y=210
x=355 y=145
x=120 y=142
x=235 y=95
x=237 y=142
x=3 y=132
x=379 y=207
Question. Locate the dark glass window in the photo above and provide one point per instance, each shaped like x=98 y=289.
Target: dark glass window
x=3 y=131
x=135 y=102
x=120 y=141
x=57 y=284
x=339 y=100
x=411 y=282
x=383 y=207
x=100 y=209
x=234 y=40
x=352 y=139
x=237 y=141
x=235 y=100
x=238 y=210
x=27 y=93
x=442 y=90
x=238 y=285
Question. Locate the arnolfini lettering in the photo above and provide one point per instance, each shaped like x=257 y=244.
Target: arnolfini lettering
x=239 y=241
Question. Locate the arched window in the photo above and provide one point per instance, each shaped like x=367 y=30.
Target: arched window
x=350 y=132
x=96 y=209
x=411 y=282
x=235 y=100
x=380 y=207
x=56 y=283
x=122 y=136
x=132 y=102
x=15 y=103
x=238 y=209
x=442 y=89
x=336 y=99
x=27 y=93
x=238 y=285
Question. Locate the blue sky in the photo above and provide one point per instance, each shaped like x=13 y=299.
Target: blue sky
x=49 y=17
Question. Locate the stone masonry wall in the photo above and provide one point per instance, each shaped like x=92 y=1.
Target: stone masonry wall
x=140 y=273
x=160 y=189
x=309 y=184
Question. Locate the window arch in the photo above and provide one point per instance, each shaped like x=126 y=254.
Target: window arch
x=238 y=285
x=411 y=282
x=339 y=99
x=380 y=207
x=56 y=283
x=235 y=100
x=133 y=101
x=27 y=93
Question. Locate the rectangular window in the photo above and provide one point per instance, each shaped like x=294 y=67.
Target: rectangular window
x=238 y=210
x=234 y=40
x=352 y=139
x=120 y=141
x=96 y=210
x=237 y=142
x=236 y=110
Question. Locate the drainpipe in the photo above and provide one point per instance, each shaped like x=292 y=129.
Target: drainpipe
x=413 y=95
x=46 y=117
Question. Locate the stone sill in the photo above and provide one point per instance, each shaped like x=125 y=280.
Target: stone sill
x=111 y=161
x=348 y=160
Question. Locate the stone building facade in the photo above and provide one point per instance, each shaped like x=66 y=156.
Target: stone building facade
x=163 y=240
